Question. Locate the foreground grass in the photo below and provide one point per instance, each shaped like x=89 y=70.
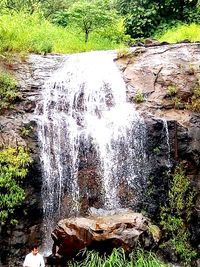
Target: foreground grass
x=181 y=32
x=118 y=258
x=20 y=32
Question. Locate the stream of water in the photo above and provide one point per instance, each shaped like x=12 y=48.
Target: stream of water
x=84 y=102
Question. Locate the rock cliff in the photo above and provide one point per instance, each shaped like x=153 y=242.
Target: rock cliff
x=161 y=81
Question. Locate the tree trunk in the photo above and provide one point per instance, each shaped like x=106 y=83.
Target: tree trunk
x=86 y=36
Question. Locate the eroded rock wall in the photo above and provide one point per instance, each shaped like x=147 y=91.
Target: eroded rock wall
x=18 y=127
x=166 y=77
x=173 y=132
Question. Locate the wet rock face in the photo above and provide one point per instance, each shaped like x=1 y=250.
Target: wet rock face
x=17 y=127
x=166 y=77
x=103 y=232
x=150 y=71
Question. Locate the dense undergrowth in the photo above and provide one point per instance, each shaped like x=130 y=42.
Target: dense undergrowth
x=118 y=258
x=32 y=33
x=176 y=216
x=14 y=164
x=21 y=32
x=180 y=32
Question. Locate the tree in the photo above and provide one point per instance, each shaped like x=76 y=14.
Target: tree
x=91 y=15
x=20 y=5
x=13 y=168
x=142 y=17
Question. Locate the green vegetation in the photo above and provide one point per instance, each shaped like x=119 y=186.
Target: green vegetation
x=171 y=90
x=137 y=258
x=194 y=104
x=176 y=215
x=26 y=131
x=181 y=32
x=91 y=15
x=138 y=97
x=8 y=90
x=66 y=26
x=14 y=164
x=36 y=34
x=144 y=18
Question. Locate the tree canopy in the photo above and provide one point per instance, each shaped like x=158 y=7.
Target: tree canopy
x=91 y=15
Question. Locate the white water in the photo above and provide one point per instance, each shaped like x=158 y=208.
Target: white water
x=168 y=143
x=85 y=102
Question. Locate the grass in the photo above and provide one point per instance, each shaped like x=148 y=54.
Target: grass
x=118 y=258
x=20 y=32
x=179 y=33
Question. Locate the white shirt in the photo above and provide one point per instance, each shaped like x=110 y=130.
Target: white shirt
x=33 y=260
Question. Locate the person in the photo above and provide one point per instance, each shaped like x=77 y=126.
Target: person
x=34 y=258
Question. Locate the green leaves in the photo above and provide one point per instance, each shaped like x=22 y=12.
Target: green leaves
x=176 y=215
x=91 y=15
x=142 y=18
x=14 y=164
x=118 y=258
x=8 y=90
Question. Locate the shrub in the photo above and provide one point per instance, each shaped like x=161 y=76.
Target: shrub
x=176 y=215
x=14 y=164
x=8 y=90
x=37 y=35
x=181 y=32
x=194 y=103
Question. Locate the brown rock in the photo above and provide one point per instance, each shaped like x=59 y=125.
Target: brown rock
x=119 y=230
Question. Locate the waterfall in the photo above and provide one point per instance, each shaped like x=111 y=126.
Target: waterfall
x=165 y=125
x=84 y=107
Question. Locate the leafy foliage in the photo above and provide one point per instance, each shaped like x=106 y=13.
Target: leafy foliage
x=14 y=164
x=35 y=34
x=138 y=98
x=91 y=15
x=176 y=215
x=8 y=90
x=194 y=104
x=137 y=258
x=142 y=18
x=181 y=32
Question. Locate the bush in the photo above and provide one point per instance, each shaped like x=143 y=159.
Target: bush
x=142 y=21
x=181 y=32
x=194 y=104
x=8 y=90
x=14 y=164
x=176 y=215
x=20 y=32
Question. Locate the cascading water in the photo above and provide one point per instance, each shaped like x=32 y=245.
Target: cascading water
x=165 y=125
x=84 y=104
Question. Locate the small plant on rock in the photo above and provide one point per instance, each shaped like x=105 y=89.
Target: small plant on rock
x=26 y=131
x=194 y=104
x=138 y=98
x=123 y=52
x=171 y=90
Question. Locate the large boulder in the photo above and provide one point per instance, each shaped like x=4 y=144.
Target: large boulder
x=106 y=231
